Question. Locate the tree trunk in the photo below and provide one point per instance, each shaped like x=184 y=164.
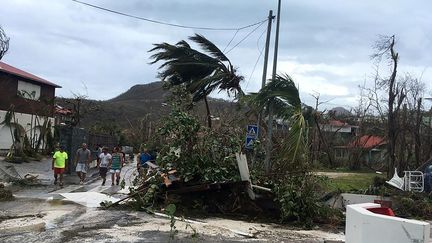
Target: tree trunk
x=417 y=137
x=209 y=121
x=403 y=145
x=42 y=132
x=391 y=116
x=327 y=147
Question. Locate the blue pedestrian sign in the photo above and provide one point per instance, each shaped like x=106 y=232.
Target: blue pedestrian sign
x=250 y=142
x=251 y=136
x=252 y=131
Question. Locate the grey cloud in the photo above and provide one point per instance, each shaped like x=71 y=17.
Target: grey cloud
x=70 y=43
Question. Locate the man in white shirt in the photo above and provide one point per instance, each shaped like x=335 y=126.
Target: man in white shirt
x=104 y=160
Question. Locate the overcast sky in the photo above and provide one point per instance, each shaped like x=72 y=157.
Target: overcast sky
x=325 y=45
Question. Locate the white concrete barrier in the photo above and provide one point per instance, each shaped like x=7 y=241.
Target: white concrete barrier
x=345 y=199
x=363 y=226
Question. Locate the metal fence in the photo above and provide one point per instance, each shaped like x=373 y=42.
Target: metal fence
x=72 y=138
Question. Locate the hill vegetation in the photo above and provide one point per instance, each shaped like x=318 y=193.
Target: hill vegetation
x=142 y=101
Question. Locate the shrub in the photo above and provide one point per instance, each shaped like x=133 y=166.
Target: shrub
x=413 y=205
x=298 y=196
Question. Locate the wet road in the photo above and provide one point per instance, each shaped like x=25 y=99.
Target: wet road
x=40 y=214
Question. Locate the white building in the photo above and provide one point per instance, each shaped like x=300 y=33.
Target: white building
x=31 y=98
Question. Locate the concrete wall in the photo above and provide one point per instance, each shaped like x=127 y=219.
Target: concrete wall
x=345 y=199
x=363 y=226
x=24 y=120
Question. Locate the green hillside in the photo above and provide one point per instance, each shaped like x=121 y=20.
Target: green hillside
x=139 y=102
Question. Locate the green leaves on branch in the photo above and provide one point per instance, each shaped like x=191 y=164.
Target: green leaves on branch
x=204 y=155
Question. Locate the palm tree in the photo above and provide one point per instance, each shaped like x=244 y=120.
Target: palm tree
x=285 y=100
x=201 y=73
x=16 y=131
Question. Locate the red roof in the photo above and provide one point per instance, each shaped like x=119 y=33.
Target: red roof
x=337 y=123
x=6 y=68
x=61 y=110
x=368 y=142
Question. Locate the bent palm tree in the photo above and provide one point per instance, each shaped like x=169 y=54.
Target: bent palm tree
x=284 y=97
x=201 y=73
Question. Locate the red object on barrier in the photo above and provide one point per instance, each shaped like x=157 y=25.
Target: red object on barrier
x=382 y=210
x=384 y=203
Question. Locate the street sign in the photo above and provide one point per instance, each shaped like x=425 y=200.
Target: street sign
x=251 y=136
x=252 y=131
x=250 y=142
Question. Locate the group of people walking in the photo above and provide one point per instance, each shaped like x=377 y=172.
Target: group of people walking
x=112 y=162
x=106 y=162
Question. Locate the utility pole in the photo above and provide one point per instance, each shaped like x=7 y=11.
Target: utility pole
x=267 y=47
x=269 y=146
x=266 y=54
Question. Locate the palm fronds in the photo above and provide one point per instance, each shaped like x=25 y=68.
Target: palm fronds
x=284 y=97
x=201 y=73
x=281 y=93
x=183 y=64
x=9 y=117
x=208 y=46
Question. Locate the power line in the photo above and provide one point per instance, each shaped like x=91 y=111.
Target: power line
x=259 y=57
x=165 y=23
x=244 y=38
x=259 y=39
x=235 y=34
x=253 y=70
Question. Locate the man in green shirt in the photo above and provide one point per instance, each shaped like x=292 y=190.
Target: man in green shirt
x=59 y=164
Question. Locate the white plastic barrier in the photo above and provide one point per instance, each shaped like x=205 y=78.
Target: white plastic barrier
x=363 y=226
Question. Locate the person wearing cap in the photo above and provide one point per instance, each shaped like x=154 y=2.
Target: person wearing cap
x=59 y=164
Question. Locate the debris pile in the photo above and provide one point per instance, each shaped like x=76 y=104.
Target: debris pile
x=201 y=171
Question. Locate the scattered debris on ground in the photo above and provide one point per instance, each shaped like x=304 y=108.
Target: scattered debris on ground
x=75 y=223
x=89 y=199
x=9 y=173
x=5 y=194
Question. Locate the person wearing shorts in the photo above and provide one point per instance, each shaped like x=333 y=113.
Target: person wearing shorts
x=116 y=165
x=82 y=160
x=59 y=164
x=103 y=162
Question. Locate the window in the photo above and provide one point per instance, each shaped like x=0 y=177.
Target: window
x=29 y=90
x=340 y=153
